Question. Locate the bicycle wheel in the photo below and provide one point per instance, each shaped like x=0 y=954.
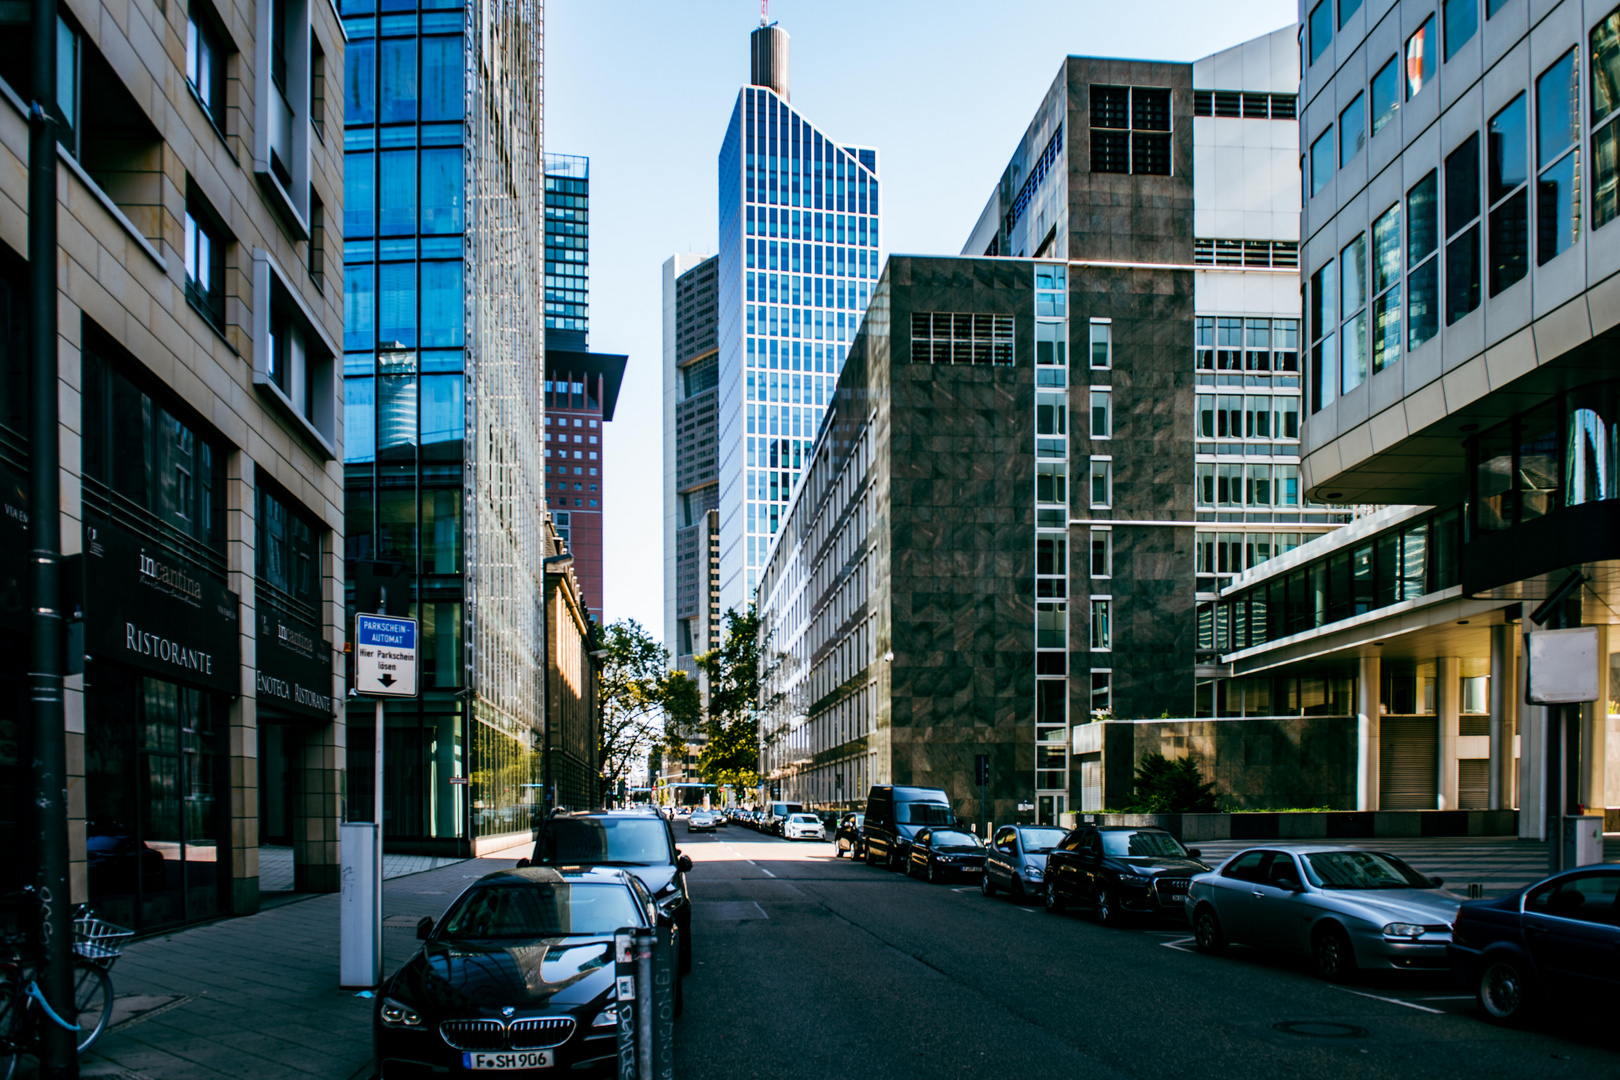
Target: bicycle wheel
x=92 y=998
x=12 y=1028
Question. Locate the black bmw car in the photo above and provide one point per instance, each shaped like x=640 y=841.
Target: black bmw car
x=517 y=975
x=1119 y=871
x=940 y=853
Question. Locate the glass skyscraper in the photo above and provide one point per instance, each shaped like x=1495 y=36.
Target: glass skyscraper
x=443 y=345
x=798 y=262
x=568 y=250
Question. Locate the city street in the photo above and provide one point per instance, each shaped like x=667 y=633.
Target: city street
x=811 y=966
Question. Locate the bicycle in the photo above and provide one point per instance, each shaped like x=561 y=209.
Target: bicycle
x=23 y=1007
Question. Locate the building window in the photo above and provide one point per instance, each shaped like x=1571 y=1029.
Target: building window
x=1321 y=161
x=1352 y=130
x=961 y=338
x=1420 y=58
x=1324 y=373
x=1051 y=482
x=1558 y=130
x=317 y=241
x=1507 y=177
x=1102 y=414
x=1320 y=29
x=1385 y=91
x=1462 y=22
x=1102 y=346
x=1462 y=230
x=205 y=63
x=1347 y=8
x=1422 y=263
x=1386 y=288
x=288 y=550
x=1102 y=553
x=1102 y=628
x=1051 y=624
x=1051 y=423
x=205 y=257
x=1051 y=566
x=282 y=119
x=1102 y=483
x=1606 y=120
x=1102 y=694
x=1130 y=130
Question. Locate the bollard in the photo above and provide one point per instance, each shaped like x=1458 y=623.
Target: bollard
x=1475 y=890
x=644 y=940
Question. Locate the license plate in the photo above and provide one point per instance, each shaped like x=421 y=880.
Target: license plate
x=1178 y=897
x=511 y=1059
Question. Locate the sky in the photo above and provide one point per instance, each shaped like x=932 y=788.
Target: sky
x=942 y=88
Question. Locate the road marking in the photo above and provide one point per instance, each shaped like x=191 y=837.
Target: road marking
x=1178 y=945
x=965 y=888
x=1394 y=1001
x=764 y=871
x=1452 y=997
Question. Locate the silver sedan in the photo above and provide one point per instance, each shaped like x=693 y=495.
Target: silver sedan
x=1346 y=908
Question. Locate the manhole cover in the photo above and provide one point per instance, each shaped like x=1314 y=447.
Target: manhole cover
x=1320 y=1029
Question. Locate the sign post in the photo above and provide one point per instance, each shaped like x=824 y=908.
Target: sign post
x=981 y=767
x=384 y=667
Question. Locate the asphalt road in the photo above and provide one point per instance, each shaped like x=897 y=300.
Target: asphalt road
x=811 y=966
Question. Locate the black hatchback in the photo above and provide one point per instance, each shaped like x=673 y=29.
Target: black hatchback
x=517 y=975
x=1119 y=871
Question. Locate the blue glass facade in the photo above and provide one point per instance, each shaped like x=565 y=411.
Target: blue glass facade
x=799 y=232
x=568 y=249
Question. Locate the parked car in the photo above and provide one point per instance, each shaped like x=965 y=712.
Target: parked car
x=469 y=1001
x=1554 y=944
x=1345 y=908
x=893 y=817
x=848 y=836
x=700 y=821
x=637 y=841
x=777 y=813
x=1119 y=871
x=943 y=852
x=1015 y=859
x=803 y=827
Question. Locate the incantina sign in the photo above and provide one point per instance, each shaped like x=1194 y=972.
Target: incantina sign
x=385 y=656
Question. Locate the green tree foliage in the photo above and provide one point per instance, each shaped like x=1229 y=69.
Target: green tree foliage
x=636 y=687
x=1171 y=787
x=734 y=674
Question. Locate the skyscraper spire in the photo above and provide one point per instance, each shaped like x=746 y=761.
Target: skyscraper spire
x=768 y=56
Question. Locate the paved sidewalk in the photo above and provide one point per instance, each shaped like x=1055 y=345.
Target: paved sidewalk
x=258 y=996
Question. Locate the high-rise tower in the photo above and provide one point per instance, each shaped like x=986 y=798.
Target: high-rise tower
x=798 y=258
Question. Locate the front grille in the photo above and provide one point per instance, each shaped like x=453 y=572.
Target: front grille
x=474 y=1034
x=1168 y=887
x=540 y=1034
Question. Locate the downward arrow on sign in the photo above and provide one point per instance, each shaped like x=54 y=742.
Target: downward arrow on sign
x=386 y=680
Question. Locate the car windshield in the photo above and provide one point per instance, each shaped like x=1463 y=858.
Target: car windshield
x=1362 y=870
x=1152 y=845
x=577 y=841
x=806 y=819
x=1040 y=841
x=541 y=910
x=953 y=838
x=923 y=813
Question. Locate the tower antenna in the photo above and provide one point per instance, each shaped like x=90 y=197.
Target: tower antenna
x=764 y=12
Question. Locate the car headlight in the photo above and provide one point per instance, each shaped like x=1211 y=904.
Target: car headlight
x=1403 y=929
x=398 y=1014
x=608 y=1017
x=1032 y=872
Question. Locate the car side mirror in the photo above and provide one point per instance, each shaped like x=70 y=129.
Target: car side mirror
x=1437 y=881
x=522 y=864
x=1288 y=884
x=1193 y=853
x=424 y=928
x=683 y=863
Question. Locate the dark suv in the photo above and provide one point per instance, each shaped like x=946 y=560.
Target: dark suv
x=640 y=841
x=1118 y=870
x=893 y=817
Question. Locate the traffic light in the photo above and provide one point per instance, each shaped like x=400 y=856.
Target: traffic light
x=981 y=769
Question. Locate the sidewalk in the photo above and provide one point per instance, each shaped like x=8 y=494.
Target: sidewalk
x=258 y=996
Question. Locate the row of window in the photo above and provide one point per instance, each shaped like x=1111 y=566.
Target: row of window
x=1254 y=254
x=814 y=172
x=803 y=356
x=1245 y=104
x=1252 y=416
x=859 y=230
x=1234 y=485
x=961 y=338
x=791 y=322
x=1234 y=552
x=811 y=258
x=1563 y=453
x=803 y=291
x=403 y=193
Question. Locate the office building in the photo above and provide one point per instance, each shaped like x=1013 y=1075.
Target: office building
x=582 y=387
x=692 y=616
x=798 y=259
x=1045 y=450
x=1461 y=338
x=443 y=363
x=201 y=492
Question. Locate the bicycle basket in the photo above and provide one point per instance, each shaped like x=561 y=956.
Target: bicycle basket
x=97 y=941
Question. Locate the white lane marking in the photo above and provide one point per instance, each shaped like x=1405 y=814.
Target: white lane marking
x=764 y=871
x=1450 y=997
x=1029 y=910
x=1394 y=1001
x=965 y=888
x=1179 y=945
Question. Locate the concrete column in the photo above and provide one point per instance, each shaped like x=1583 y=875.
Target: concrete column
x=1369 y=687
x=1532 y=756
x=1594 y=734
x=1448 y=704
x=1504 y=710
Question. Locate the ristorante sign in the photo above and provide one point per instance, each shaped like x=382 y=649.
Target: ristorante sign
x=153 y=609
x=295 y=663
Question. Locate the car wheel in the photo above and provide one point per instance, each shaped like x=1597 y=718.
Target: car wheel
x=1207 y=934
x=986 y=886
x=1054 y=903
x=1332 y=954
x=1502 y=993
x=1107 y=912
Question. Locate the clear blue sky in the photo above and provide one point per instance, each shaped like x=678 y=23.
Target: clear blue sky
x=942 y=88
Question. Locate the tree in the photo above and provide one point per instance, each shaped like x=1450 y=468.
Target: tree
x=1172 y=787
x=730 y=724
x=636 y=685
